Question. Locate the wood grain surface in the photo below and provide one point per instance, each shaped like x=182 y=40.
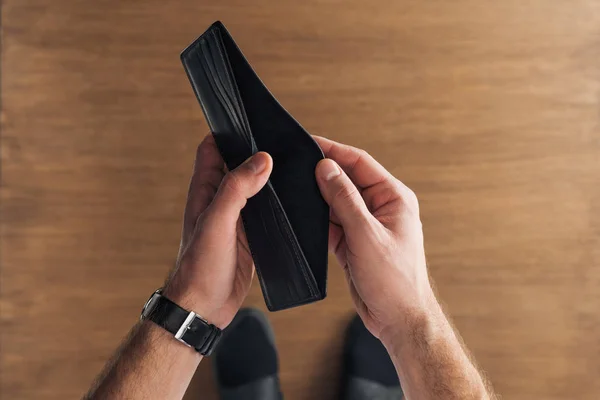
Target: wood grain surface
x=489 y=110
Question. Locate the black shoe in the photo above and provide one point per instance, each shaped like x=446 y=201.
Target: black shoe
x=368 y=370
x=245 y=361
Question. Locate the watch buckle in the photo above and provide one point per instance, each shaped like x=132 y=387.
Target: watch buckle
x=184 y=327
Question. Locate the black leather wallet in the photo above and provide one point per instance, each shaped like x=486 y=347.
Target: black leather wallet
x=287 y=222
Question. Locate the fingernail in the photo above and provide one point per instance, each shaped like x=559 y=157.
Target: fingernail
x=329 y=169
x=257 y=163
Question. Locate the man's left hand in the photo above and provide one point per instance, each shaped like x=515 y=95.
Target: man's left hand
x=214 y=268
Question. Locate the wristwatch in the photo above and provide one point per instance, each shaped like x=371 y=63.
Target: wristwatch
x=187 y=326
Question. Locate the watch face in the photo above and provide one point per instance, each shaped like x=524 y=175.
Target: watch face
x=149 y=306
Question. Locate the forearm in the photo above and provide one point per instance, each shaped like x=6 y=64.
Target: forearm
x=150 y=364
x=430 y=359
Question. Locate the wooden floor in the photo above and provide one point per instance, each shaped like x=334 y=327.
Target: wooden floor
x=489 y=110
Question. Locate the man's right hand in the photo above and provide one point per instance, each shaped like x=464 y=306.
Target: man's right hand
x=376 y=235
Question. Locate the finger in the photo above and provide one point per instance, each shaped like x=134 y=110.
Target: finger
x=336 y=237
x=342 y=196
x=337 y=243
x=334 y=218
x=241 y=236
x=361 y=307
x=245 y=270
x=363 y=169
x=237 y=187
x=209 y=164
x=377 y=185
x=206 y=176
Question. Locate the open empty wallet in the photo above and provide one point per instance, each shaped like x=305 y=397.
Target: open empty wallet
x=287 y=222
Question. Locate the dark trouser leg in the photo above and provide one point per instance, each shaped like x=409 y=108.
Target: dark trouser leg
x=245 y=363
x=369 y=373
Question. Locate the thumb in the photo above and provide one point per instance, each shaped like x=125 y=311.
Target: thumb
x=342 y=195
x=238 y=186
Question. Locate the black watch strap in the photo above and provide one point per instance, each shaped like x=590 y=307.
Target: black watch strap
x=187 y=327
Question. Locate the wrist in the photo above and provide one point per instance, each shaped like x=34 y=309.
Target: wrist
x=159 y=339
x=190 y=299
x=413 y=320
